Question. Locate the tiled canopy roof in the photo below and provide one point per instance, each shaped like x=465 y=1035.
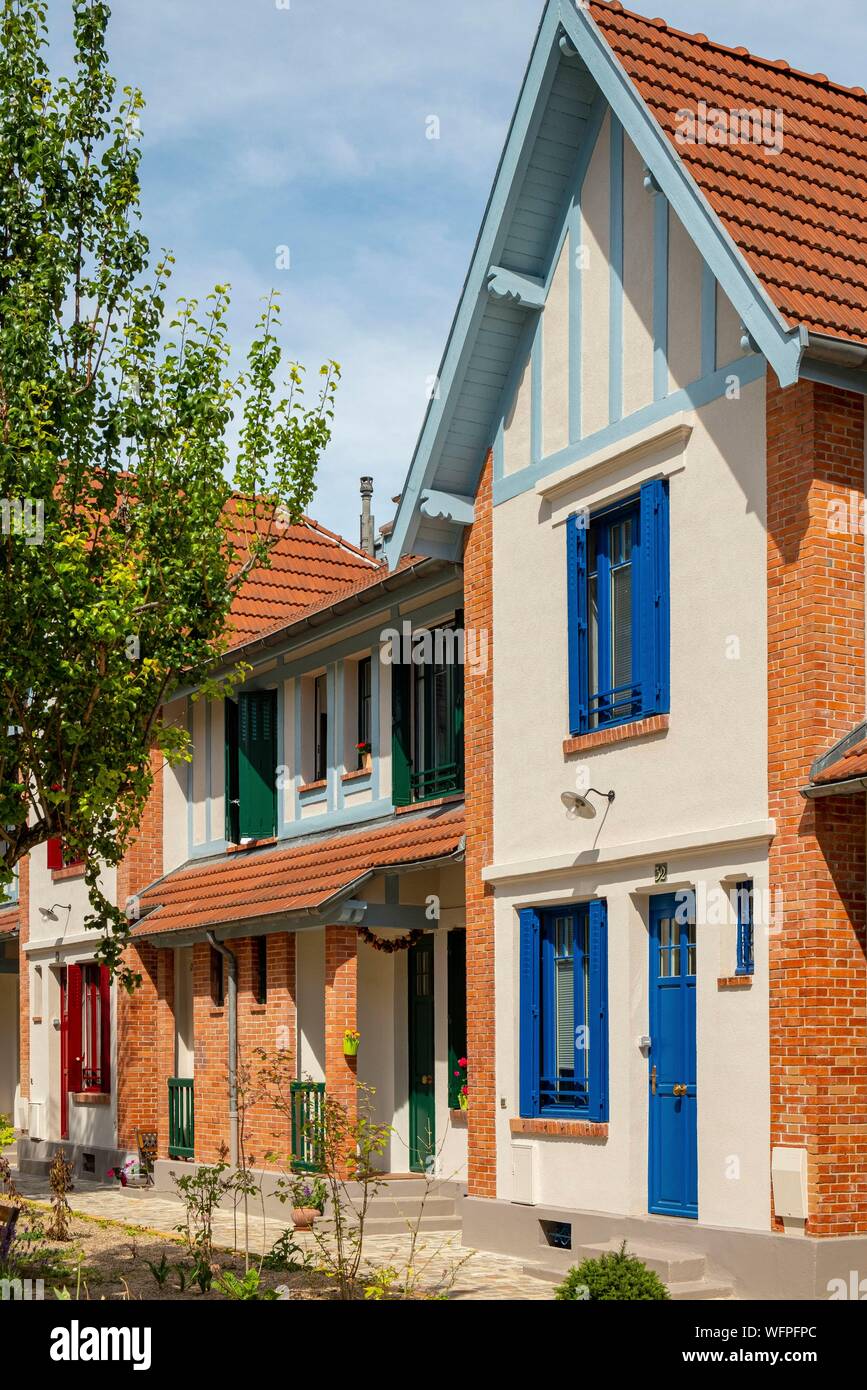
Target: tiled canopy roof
x=853 y=763
x=310 y=566
x=797 y=216
x=263 y=883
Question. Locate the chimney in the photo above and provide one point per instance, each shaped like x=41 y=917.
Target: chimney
x=366 y=516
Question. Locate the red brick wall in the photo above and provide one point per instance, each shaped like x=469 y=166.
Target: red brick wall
x=141 y=1090
x=211 y=1070
x=479 y=767
x=268 y=1026
x=816 y=693
x=341 y=1012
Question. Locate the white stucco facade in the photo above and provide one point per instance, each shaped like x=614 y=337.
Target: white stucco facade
x=693 y=796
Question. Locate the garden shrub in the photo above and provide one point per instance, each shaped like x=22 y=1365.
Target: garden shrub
x=615 y=1275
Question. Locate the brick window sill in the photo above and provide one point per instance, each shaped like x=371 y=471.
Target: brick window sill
x=251 y=844
x=316 y=786
x=91 y=1098
x=428 y=805
x=68 y=871
x=565 y=1129
x=734 y=982
x=258 y=1009
x=621 y=733
x=353 y=776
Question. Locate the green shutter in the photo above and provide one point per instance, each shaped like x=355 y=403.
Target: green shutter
x=257 y=764
x=231 y=717
x=401 y=734
x=457 y=1007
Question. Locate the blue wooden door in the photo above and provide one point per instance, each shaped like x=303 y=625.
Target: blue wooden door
x=673 y=1148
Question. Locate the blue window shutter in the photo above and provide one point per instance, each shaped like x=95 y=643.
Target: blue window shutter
x=653 y=647
x=598 y=1010
x=576 y=589
x=529 y=1012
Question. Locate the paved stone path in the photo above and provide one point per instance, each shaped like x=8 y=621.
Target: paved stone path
x=480 y=1275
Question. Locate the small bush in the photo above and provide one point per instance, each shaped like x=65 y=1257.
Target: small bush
x=612 y=1276
x=7 y=1132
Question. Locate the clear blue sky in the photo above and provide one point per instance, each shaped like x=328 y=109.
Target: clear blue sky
x=303 y=124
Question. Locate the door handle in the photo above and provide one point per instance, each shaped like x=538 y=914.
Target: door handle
x=679 y=1090
x=653 y=1080
x=427 y=1080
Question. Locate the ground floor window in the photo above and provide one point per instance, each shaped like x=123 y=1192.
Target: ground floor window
x=564 y=1025
x=89 y=989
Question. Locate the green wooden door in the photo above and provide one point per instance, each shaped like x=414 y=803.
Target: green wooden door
x=422 y=1132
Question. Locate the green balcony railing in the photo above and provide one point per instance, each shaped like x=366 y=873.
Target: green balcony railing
x=436 y=781
x=308 y=1118
x=181 y=1109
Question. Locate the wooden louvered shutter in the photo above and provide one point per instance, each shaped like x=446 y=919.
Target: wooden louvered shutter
x=257 y=764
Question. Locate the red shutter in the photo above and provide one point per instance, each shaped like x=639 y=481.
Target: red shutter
x=73 y=1006
x=55 y=852
x=105 y=1017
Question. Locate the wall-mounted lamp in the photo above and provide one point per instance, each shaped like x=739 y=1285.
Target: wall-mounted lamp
x=50 y=915
x=578 y=805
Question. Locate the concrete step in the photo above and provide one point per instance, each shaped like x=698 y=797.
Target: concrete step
x=698 y=1289
x=399 y=1225
x=407 y=1206
x=37 y=1167
x=701 y=1290
x=672 y=1266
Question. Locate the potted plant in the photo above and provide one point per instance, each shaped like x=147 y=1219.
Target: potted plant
x=365 y=756
x=463 y=1088
x=308 y=1202
x=351 y=1039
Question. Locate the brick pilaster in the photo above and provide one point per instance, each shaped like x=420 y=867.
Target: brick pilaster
x=341 y=1012
x=24 y=980
x=816 y=693
x=141 y=1090
x=479 y=769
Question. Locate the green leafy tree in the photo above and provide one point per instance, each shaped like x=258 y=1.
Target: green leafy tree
x=126 y=530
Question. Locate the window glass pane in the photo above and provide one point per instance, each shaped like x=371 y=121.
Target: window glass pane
x=564 y=996
x=690 y=949
x=593 y=643
x=621 y=630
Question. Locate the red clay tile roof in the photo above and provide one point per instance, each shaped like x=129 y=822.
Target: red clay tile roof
x=798 y=216
x=8 y=919
x=853 y=763
x=265 y=883
x=310 y=567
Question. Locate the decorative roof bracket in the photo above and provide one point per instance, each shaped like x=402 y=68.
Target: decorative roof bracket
x=445 y=506
x=524 y=290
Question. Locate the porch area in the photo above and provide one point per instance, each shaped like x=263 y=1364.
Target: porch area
x=359 y=998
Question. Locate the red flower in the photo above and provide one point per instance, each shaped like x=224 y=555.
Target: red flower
x=462 y=1062
x=464 y=1091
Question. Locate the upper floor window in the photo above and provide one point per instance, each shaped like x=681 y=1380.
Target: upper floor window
x=58 y=857
x=744 y=903
x=428 y=720
x=618 y=612
x=563 y=1011
x=320 y=728
x=251 y=766
x=364 y=724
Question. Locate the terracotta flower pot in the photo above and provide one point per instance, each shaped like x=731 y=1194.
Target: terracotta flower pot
x=304 y=1217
